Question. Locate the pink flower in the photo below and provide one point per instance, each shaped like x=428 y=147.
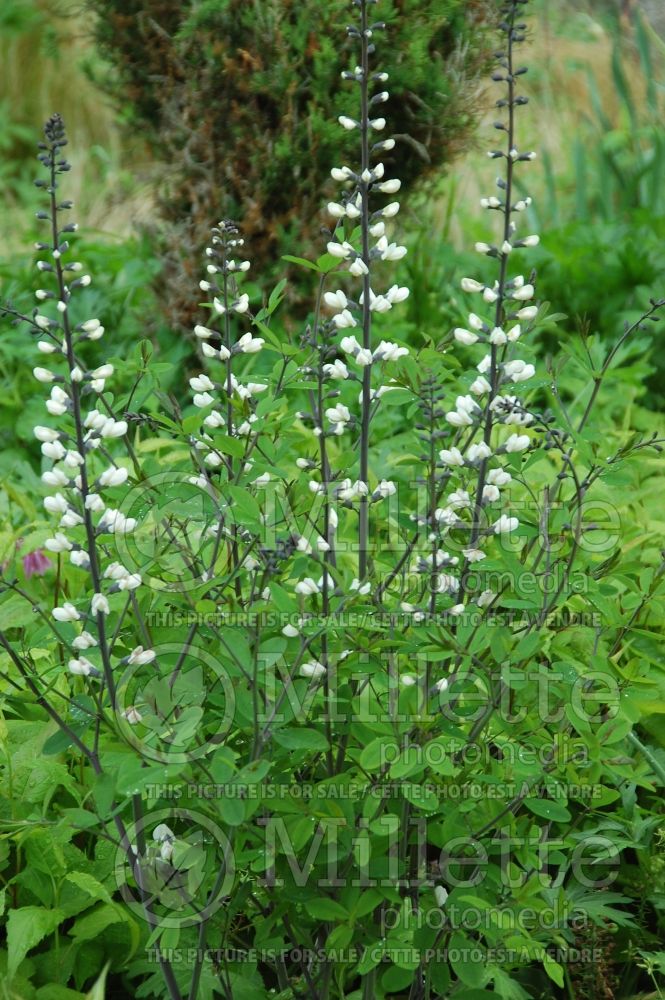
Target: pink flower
x=36 y=564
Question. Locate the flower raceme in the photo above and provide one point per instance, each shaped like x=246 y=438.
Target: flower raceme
x=77 y=443
x=474 y=458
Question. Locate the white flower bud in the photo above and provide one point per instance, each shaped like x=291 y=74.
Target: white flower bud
x=314 y=670
x=84 y=641
x=505 y=525
x=99 y=605
x=463 y=336
x=59 y=543
x=66 y=613
x=524 y=293
x=113 y=477
x=389 y=187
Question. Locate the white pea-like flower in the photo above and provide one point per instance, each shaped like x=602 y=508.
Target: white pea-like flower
x=338 y=414
x=385 y=489
x=247 y=344
x=340 y=250
x=478 y=452
x=336 y=210
x=306 y=587
x=387 y=351
x=313 y=670
x=55 y=477
x=396 y=294
x=344 y=320
x=83 y=668
x=66 y=613
x=336 y=300
x=465 y=337
x=451 y=456
x=480 y=386
x=56 y=504
x=113 y=477
x=390 y=211
x=45 y=433
x=100 y=605
x=499 y=477
x=391 y=186
x=358 y=267
x=59 y=543
x=505 y=525
x=84 y=641
x=517 y=443
x=201 y=399
x=54 y=449
x=203 y=332
x=524 y=293
x=486 y=598
x=342 y=173
x=389 y=251
x=441 y=894
x=201 y=383
x=459 y=499
x=336 y=371
x=113 y=428
x=141 y=656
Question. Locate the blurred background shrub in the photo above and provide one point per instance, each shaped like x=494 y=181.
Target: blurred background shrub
x=239 y=101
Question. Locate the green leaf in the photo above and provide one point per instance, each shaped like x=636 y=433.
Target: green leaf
x=373 y=756
x=54 y=992
x=15 y=613
x=90 y=885
x=301 y=262
x=471 y=973
x=98 y=990
x=548 y=809
x=553 y=970
x=26 y=927
x=300 y=739
x=94 y=922
x=326 y=909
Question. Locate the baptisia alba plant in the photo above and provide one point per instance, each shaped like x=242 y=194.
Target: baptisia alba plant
x=329 y=649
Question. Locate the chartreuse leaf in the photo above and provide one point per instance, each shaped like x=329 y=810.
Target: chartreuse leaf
x=98 y=990
x=26 y=927
x=553 y=970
